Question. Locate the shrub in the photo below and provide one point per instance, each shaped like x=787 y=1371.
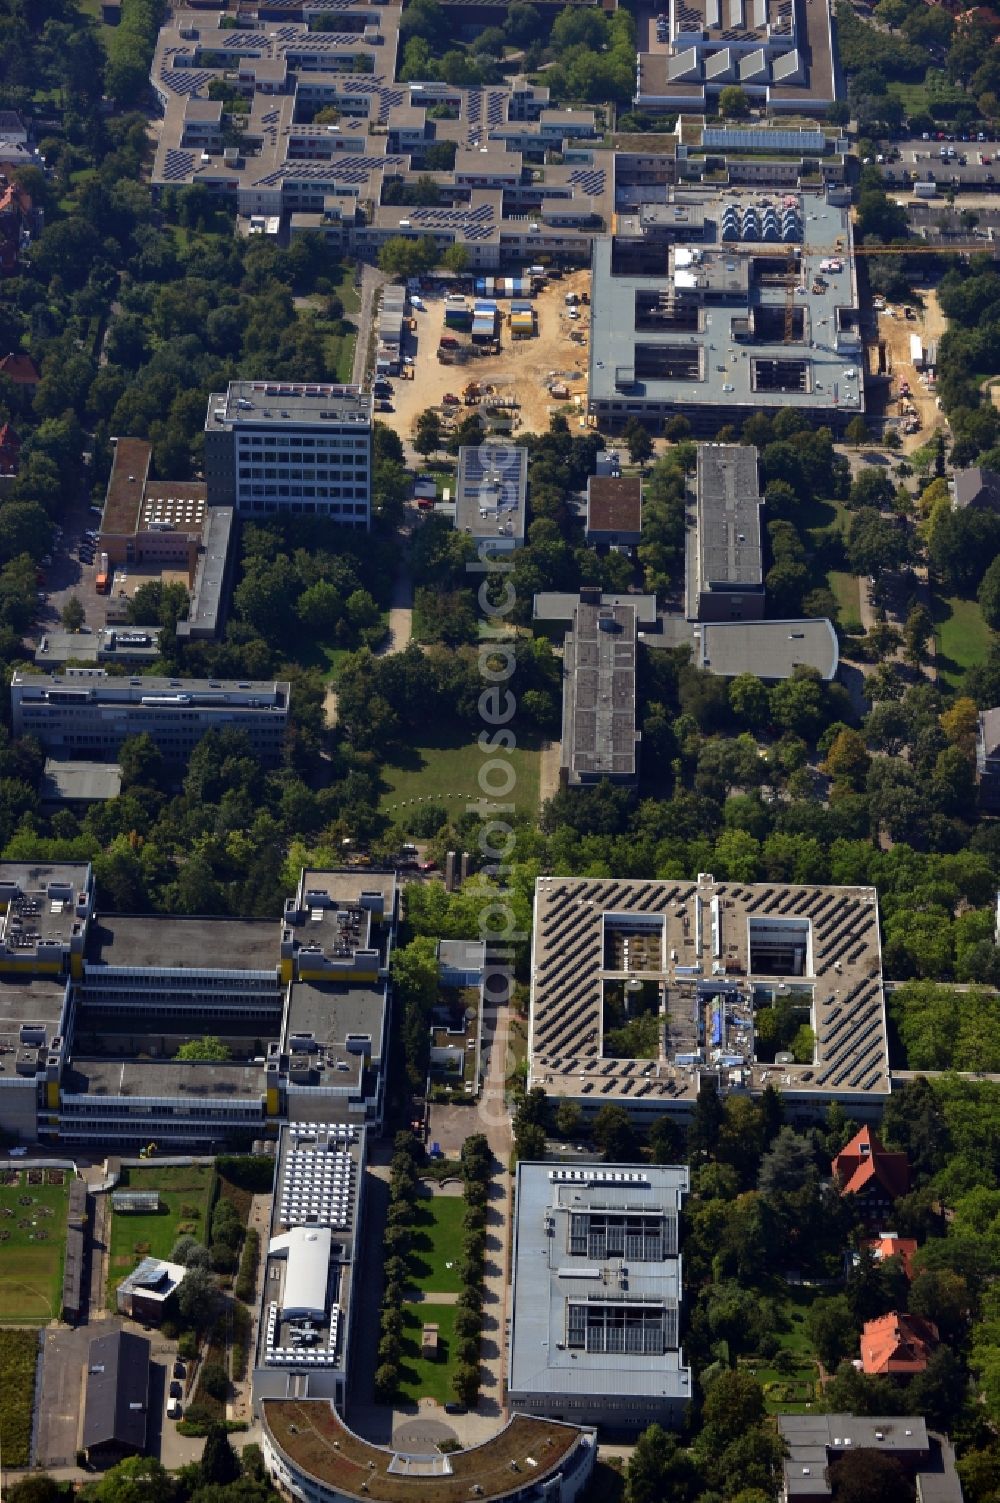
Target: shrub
x=246 y=1279
x=214 y=1381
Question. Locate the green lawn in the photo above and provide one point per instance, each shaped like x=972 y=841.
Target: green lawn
x=963 y=639
x=420 y=1378
x=32 y=1245
x=183 y=1204
x=18 y=1359
x=437 y=1241
x=446 y=771
x=845 y=589
x=916 y=98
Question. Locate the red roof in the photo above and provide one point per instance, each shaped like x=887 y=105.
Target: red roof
x=888 y=1245
x=20 y=369
x=897 y=1343
x=864 y=1162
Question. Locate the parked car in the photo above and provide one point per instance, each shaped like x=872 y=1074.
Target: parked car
x=176 y=1391
x=179 y=1369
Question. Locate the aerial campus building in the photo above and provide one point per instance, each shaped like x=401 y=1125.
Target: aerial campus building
x=723 y=302
x=306 y=1340
x=87 y=712
x=780 y=52
x=702 y=960
x=281 y=446
x=93 y=1008
x=595 y=1295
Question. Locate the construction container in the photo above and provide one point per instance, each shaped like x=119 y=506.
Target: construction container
x=916 y=352
x=458 y=318
x=484 y=286
x=483 y=329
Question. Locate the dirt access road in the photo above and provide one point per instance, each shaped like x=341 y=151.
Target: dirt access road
x=929 y=324
x=522 y=370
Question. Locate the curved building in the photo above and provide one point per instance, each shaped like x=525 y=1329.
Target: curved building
x=312 y=1455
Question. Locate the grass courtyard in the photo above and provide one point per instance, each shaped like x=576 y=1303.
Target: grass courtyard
x=419 y=1377
x=184 y=1191
x=437 y=1242
x=445 y=770
x=32 y=1247
x=962 y=638
x=18 y=1360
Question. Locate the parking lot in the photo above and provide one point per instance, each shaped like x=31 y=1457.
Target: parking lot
x=68 y=575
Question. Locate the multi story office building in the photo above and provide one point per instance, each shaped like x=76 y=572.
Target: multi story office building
x=275 y=446
x=92 y=1013
x=596 y=1295
x=84 y=712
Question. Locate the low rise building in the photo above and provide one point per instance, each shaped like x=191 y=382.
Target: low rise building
x=165 y=530
x=814 y=1442
x=988 y=758
x=724 y=554
x=131 y=645
x=491 y=495
x=599 y=734
x=898 y=1343
x=143 y=1294
x=595 y=1295
x=116 y=1404
x=976 y=489
x=311 y=1454
x=872 y=1175
x=85 y=712
x=81 y=783
x=614 y=511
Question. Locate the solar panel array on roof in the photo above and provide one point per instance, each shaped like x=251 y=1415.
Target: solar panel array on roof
x=237 y=41
x=177 y=164
x=185 y=80
x=590 y=179
x=348 y=169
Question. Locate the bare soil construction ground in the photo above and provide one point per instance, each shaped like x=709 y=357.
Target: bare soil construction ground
x=929 y=324
x=522 y=371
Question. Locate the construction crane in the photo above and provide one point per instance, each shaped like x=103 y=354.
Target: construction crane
x=959 y=249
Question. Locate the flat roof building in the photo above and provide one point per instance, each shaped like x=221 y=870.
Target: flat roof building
x=109 y=644
x=725 y=558
x=815 y=1441
x=307 y=1312
x=779 y=53
x=280 y=446
x=80 y=782
x=93 y=1010
x=116 y=1406
x=143 y=1293
x=595 y=1295
x=310 y=1452
x=614 y=510
x=771 y=650
x=599 y=736
x=750 y=314
x=702 y=959
x=151 y=527
x=491 y=494
x=85 y=712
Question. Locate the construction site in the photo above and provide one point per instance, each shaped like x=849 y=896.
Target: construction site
x=517 y=379
x=902 y=366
